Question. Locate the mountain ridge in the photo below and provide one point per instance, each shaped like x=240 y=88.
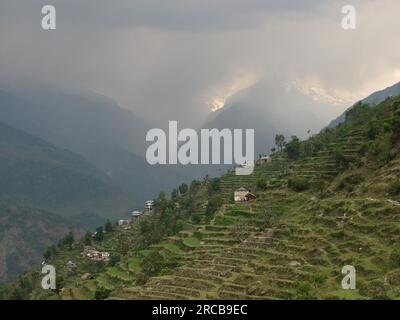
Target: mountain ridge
x=39 y=179
x=373 y=99
x=94 y=127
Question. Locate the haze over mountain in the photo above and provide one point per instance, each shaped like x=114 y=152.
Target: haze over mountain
x=25 y=233
x=46 y=191
x=167 y=60
x=271 y=108
x=373 y=99
x=36 y=173
x=109 y=137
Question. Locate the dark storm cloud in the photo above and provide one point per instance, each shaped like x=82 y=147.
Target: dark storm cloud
x=168 y=59
x=166 y=14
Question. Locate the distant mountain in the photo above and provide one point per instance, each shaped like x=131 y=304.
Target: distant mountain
x=270 y=108
x=111 y=138
x=36 y=173
x=372 y=100
x=381 y=95
x=44 y=192
x=25 y=233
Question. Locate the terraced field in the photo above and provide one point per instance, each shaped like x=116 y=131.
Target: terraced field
x=284 y=245
x=250 y=258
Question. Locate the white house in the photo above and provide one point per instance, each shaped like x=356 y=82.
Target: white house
x=244 y=195
x=265 y=159
x=92 y=254
x=149 y=205
x=104 y=255
x=135 y=214
x=123 y=222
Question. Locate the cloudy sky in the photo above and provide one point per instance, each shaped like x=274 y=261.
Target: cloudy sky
x=177 y=59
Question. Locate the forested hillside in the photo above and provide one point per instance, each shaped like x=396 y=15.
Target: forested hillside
x=46 y=191
x=324 y=203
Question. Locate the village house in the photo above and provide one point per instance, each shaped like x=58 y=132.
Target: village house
x=71 y=266
x=149 y=205
x=135 y=214
x=123 y=222
x=92 y=254
x=265 y=159
x=244 y=195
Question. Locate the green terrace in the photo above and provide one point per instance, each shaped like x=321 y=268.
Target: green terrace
x=315 y=214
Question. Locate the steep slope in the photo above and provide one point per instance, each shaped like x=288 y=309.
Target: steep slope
x=372 y=100
x=38 y=174
x=334 y=202
x=24 y=235
x=110 y=137
x=380 y=96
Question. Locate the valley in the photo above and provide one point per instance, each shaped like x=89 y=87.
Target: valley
x=334 y=202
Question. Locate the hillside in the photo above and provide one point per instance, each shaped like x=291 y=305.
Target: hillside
x=37 y=173
x=372 y=100
x=46 y=191
x=109 y=137
x=24 y=235
x=324 y=203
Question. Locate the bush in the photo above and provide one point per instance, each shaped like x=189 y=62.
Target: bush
x=375 y=289
x=99 y=234
x=293 y=148
x=373 y=130
x=101 y=293
x=342 y=160
x=214 y=185
x=183 y=189
x=108 y=227
x=298 y=184
x=195 y=186
x=396 y=125
x=262 y=184
x=304 y=291
x=349 y=182
x=165 y=271
x=394 y=277
x=383 y=149
x=152 y=264
x=179 y=225
x=320 y=185
x=214 y=203
x=319 y=278
x=114 y=259
x=394 y=188
x=196 y=219
x=141 y=278
x=395 y=258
